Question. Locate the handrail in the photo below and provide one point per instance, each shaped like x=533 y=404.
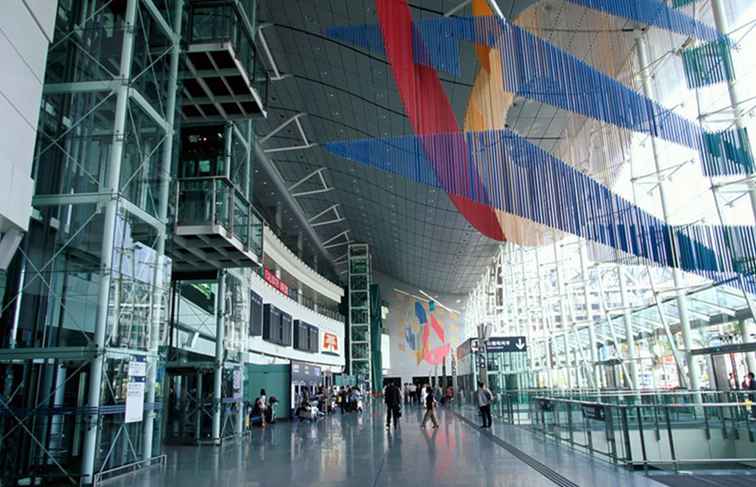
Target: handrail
x=640 y=405
x=223 y=179
x=334 y=315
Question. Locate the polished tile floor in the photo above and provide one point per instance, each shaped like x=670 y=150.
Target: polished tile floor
x=356 y=450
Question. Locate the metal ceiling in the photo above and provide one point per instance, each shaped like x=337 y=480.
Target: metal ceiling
x=415 y=234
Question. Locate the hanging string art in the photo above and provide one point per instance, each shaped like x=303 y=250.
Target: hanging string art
x=537 y=70
x=493 y=174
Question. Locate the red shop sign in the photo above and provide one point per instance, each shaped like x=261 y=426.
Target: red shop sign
x=274 y=281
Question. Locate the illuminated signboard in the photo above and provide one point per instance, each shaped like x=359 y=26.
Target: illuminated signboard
x=273 y=280
x=330 y=344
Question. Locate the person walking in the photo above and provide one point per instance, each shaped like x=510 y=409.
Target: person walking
x=393 y=400
x=357 y=399
x=430 y=410
x=484 y=403
x=752 y=396
x=262 y=407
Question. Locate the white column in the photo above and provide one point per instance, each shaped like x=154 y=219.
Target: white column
x=720 y=20
x=240 y=419
x=165 y=184
x=220 y=331
x=627 y=318
x=679 y=282
x=589 y=314
x=562 y=312
x=746 y=330
x=108 y=240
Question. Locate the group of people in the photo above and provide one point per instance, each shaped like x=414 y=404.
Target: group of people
x=415 y=394
x=350 y=399
x=748 y=384
x=327 y=400
x=262 y=411
x=392 y=396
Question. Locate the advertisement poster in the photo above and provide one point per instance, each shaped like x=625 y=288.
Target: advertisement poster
x=135 y=390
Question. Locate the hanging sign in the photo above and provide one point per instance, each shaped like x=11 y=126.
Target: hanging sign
x=507 y=344
x=135 y=390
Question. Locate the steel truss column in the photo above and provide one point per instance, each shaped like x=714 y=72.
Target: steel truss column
x=627 y=318
x=108 y=241
x=545 y=324
x=166 y=159
x=525 y=330
x=589 y=314
x=562 y=313
x=607 y=317
x=681 y=298
x=667 y=331
x=578 y=355
x=220 y=336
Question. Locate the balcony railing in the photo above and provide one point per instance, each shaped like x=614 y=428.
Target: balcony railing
x=215 y=201
x=217 y=23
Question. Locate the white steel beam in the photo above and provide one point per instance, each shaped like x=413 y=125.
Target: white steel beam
x=266 y=49
x=282 y=126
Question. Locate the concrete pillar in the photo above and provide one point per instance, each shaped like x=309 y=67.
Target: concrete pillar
x=220 y=330
x=108 y=240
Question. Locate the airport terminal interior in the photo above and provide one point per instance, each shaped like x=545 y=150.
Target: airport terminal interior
x=378 y=243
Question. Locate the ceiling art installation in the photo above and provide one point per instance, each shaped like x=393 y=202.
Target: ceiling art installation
x=509 y=188
x=537 y=70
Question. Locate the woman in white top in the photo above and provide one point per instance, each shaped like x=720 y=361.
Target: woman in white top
x=357 y=398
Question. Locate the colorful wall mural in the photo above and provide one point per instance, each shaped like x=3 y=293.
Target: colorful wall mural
x=423 y=333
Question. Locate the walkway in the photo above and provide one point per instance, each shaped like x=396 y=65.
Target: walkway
x=357 y=451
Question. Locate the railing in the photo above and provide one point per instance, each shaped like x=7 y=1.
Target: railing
x=310 y=303
x=647 y=434
x=215 y=201
x=640 y=428
x=218 y=22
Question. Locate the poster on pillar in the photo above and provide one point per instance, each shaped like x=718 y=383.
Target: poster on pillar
x=425 y=328
x=134 y=412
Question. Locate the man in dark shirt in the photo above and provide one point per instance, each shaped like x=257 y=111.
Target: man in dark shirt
x=393 y=402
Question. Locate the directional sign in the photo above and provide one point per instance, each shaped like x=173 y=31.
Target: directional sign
x=594 y=411
x=507 y=344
